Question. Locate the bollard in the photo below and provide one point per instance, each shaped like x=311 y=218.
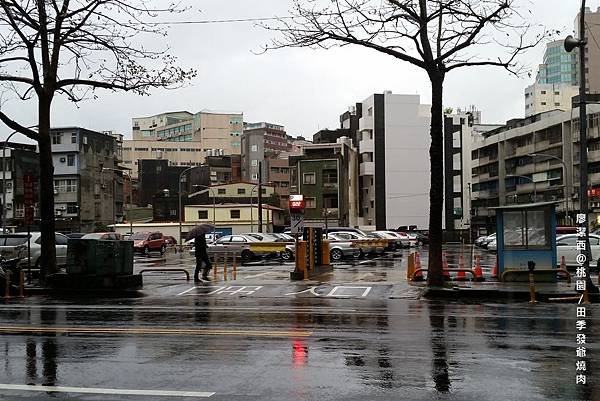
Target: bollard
x=234 y=267
x=461 y=275
x=495 y=269
x=410 y=269
x=531 y=267
x=215 y=266
x=445 y=271
x=21 y=283
x=225 y=267
x=7 y=286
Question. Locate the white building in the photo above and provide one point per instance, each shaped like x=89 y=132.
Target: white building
x=393 y=143
x=545 y=97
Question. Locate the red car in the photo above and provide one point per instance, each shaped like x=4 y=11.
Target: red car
x=170 y=241
x=145 y=242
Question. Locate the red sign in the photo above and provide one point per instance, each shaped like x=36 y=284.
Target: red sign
x=28 y=198
x=296 y=205
x=593 y=192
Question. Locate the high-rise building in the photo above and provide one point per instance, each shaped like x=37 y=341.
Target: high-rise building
x=393 y=146
x=558 y=65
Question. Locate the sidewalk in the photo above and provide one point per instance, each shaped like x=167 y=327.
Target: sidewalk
x=498 y=291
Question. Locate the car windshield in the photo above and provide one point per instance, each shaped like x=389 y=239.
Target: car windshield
x=139 y=236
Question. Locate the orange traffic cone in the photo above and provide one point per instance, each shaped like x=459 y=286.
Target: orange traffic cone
x=478 y=272
x=418 y=275
x=563 y=267
x=445 y=271
x=495 y=269
x=461 y=276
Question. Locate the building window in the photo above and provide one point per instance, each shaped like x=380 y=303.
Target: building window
x=72 y=208
x=56 y=139
x=221 y=191
x=556 y=92
x=70 y=160
x=254 y=148
x=202 y=214
x=330 y=201
x=254 y=176
x=543 y=103
x=329 y=177
x=557 y=103
x=62 y=186
x=254 y=163
x=308 y=178
x=543 y=92
x=241 y=191
x=310 y=203
x=234 y=214
x=73 y=137
x=263 y=191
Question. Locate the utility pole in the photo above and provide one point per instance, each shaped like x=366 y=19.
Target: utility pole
x=260 y=216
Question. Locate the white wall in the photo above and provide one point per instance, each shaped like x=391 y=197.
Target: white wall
x=407 y=166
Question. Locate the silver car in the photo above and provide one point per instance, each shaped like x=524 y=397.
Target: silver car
x=239 y=244
x=338 y=249
x=15 y=245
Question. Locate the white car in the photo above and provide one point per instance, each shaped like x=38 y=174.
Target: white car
x=566 y=245
x=15 y=245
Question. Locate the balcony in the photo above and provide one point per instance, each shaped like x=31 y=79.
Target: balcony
x=367 y=168
x=366 y=145
x=524 y=150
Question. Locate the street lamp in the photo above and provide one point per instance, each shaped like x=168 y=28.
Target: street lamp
x=570 y=44
x=179 y=195
x=130 y=196
x=566 y=183
x=527 y=178
x=214 y=207
x=252 y=202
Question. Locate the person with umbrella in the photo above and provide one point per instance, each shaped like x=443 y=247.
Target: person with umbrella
x=198 y=233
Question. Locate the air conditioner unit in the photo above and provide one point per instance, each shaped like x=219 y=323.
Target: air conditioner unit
x=8 y=206
x=63 y=159
x=56 y=192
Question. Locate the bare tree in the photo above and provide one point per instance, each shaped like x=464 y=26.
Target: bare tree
x=50 y=48
x=437 y=36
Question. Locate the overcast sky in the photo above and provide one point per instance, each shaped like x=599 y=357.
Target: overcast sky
x=304 y=90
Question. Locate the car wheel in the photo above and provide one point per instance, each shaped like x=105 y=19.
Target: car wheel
x=336 y=255
x=247 y=256
x=162 y=249
x=287 y=255
x=146 y=250
x=361 y=254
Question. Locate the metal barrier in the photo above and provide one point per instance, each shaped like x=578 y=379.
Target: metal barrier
x=537 y=272
x=420 y=271
x=225 y=256
x=187 y=274
x=7 y=274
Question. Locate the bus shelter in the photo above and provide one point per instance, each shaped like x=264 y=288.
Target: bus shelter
x=526 y=233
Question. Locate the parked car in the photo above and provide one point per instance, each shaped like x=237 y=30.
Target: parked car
x=399 y=240
x=75 y=235
x=393 y=243
x=238 y=243
x=145 y=242
x=487 y=240
x=170 y=241
x=566 y=245
x=341 y=249
x=347 y=229
x=107 y=236
x=15 y=245
x=492 y=245
x=352 y=236
x=264 y=237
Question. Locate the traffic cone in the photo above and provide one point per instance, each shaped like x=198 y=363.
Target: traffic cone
x=478 y=272
x=563 y=267
x=445 y=271
x=495 y=269
x=410 y=269
x=418 y=275
x=461 y=276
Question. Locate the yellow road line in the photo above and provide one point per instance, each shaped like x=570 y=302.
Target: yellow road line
x=150 y=331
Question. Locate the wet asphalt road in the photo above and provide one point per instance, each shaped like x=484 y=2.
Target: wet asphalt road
x=358 y=334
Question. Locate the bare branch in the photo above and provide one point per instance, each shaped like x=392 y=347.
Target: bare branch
x=18 y=127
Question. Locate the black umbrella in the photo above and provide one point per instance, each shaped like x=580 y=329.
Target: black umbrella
x=199 y=230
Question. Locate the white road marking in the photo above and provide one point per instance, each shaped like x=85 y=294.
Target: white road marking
x=112 y=391
x=186 y=291
x=257 y=275
x=364 y=294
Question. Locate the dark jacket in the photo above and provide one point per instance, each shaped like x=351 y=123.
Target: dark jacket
x=200 y=248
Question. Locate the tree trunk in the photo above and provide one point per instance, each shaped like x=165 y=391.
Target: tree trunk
x=47 y=226
x=436 y=192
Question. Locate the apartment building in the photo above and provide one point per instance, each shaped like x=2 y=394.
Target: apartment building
x=534 y=159
x=326 y=174
x=176 y=153
x=87 y=191
x=260 y=141
x=545 y=97
x=20 y=160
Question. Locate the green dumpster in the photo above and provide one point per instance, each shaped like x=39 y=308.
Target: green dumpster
x=99 y=257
